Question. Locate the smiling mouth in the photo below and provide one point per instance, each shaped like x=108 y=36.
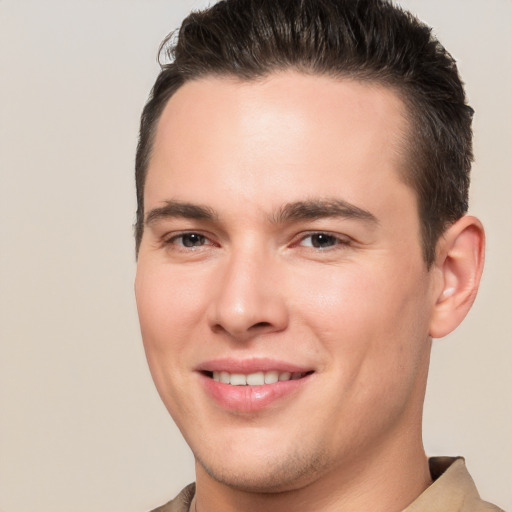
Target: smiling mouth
x=256 y=378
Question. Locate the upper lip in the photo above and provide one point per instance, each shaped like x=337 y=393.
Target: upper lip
x=248 y=366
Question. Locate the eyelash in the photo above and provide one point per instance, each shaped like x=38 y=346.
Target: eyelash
x=203 y=240
x=175 y=238
x=336 y=239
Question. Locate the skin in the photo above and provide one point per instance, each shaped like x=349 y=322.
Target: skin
x=345 y=294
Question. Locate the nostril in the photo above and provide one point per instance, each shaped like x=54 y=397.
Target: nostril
x=259 y=325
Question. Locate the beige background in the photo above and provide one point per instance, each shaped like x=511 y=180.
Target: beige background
x=81 y=427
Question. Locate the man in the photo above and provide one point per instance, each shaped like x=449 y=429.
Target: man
x=302 y=183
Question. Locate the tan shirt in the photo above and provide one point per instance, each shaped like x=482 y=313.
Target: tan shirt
x=453 y=490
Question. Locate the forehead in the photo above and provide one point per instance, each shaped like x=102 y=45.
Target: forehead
x=285 y=127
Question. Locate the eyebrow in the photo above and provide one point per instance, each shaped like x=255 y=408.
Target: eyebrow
x=290 y=212
x=177 y=209
x=320 y=208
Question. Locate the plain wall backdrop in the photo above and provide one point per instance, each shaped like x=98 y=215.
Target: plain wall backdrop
x=81 y=426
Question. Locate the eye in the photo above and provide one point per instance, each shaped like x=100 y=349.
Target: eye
x=188 y=240
x=322 y=241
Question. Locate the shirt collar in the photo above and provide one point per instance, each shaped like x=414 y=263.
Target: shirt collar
x=452 y=488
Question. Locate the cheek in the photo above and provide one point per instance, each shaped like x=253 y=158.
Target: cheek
x=166 y=322
x=374 y=329
x=169 y=304
x=339 y=300
x=364 y=314
x=169 y=307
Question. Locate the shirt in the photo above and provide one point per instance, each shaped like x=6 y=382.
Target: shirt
x=452 y=490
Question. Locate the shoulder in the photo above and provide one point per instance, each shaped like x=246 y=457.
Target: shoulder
x=181 y=503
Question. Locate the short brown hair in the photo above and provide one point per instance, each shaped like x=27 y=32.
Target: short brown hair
x=367 y=40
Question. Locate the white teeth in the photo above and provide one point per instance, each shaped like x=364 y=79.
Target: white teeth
x=271 y=377
x=255 y=379
x=238 y=379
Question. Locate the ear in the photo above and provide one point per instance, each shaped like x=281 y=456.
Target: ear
x=459 y=263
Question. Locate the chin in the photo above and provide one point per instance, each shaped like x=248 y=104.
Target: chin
x=275 y=473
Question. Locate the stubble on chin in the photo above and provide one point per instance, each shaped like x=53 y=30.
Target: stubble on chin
x=287 y=473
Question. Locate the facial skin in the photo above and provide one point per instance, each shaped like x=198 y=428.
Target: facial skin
x=279 y=236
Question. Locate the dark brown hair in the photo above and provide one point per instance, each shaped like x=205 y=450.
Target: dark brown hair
x=367 y=40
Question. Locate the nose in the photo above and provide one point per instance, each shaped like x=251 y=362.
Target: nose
x=248 y=301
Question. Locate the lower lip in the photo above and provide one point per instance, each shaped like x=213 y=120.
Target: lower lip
x=251 y=398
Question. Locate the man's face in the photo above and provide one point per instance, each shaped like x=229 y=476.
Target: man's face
x=280 y=243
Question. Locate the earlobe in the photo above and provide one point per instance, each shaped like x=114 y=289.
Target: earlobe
x=460 y=258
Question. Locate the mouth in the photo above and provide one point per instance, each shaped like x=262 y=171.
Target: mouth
x=254 y=385
x=259 y=378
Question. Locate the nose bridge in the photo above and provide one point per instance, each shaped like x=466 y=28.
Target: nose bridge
x=248 y=300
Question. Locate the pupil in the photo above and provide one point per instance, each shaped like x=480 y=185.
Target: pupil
x=322 y=240
x=193 y=240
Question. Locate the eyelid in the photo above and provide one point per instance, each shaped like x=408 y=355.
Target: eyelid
x=170 y=238
x=341 y=239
